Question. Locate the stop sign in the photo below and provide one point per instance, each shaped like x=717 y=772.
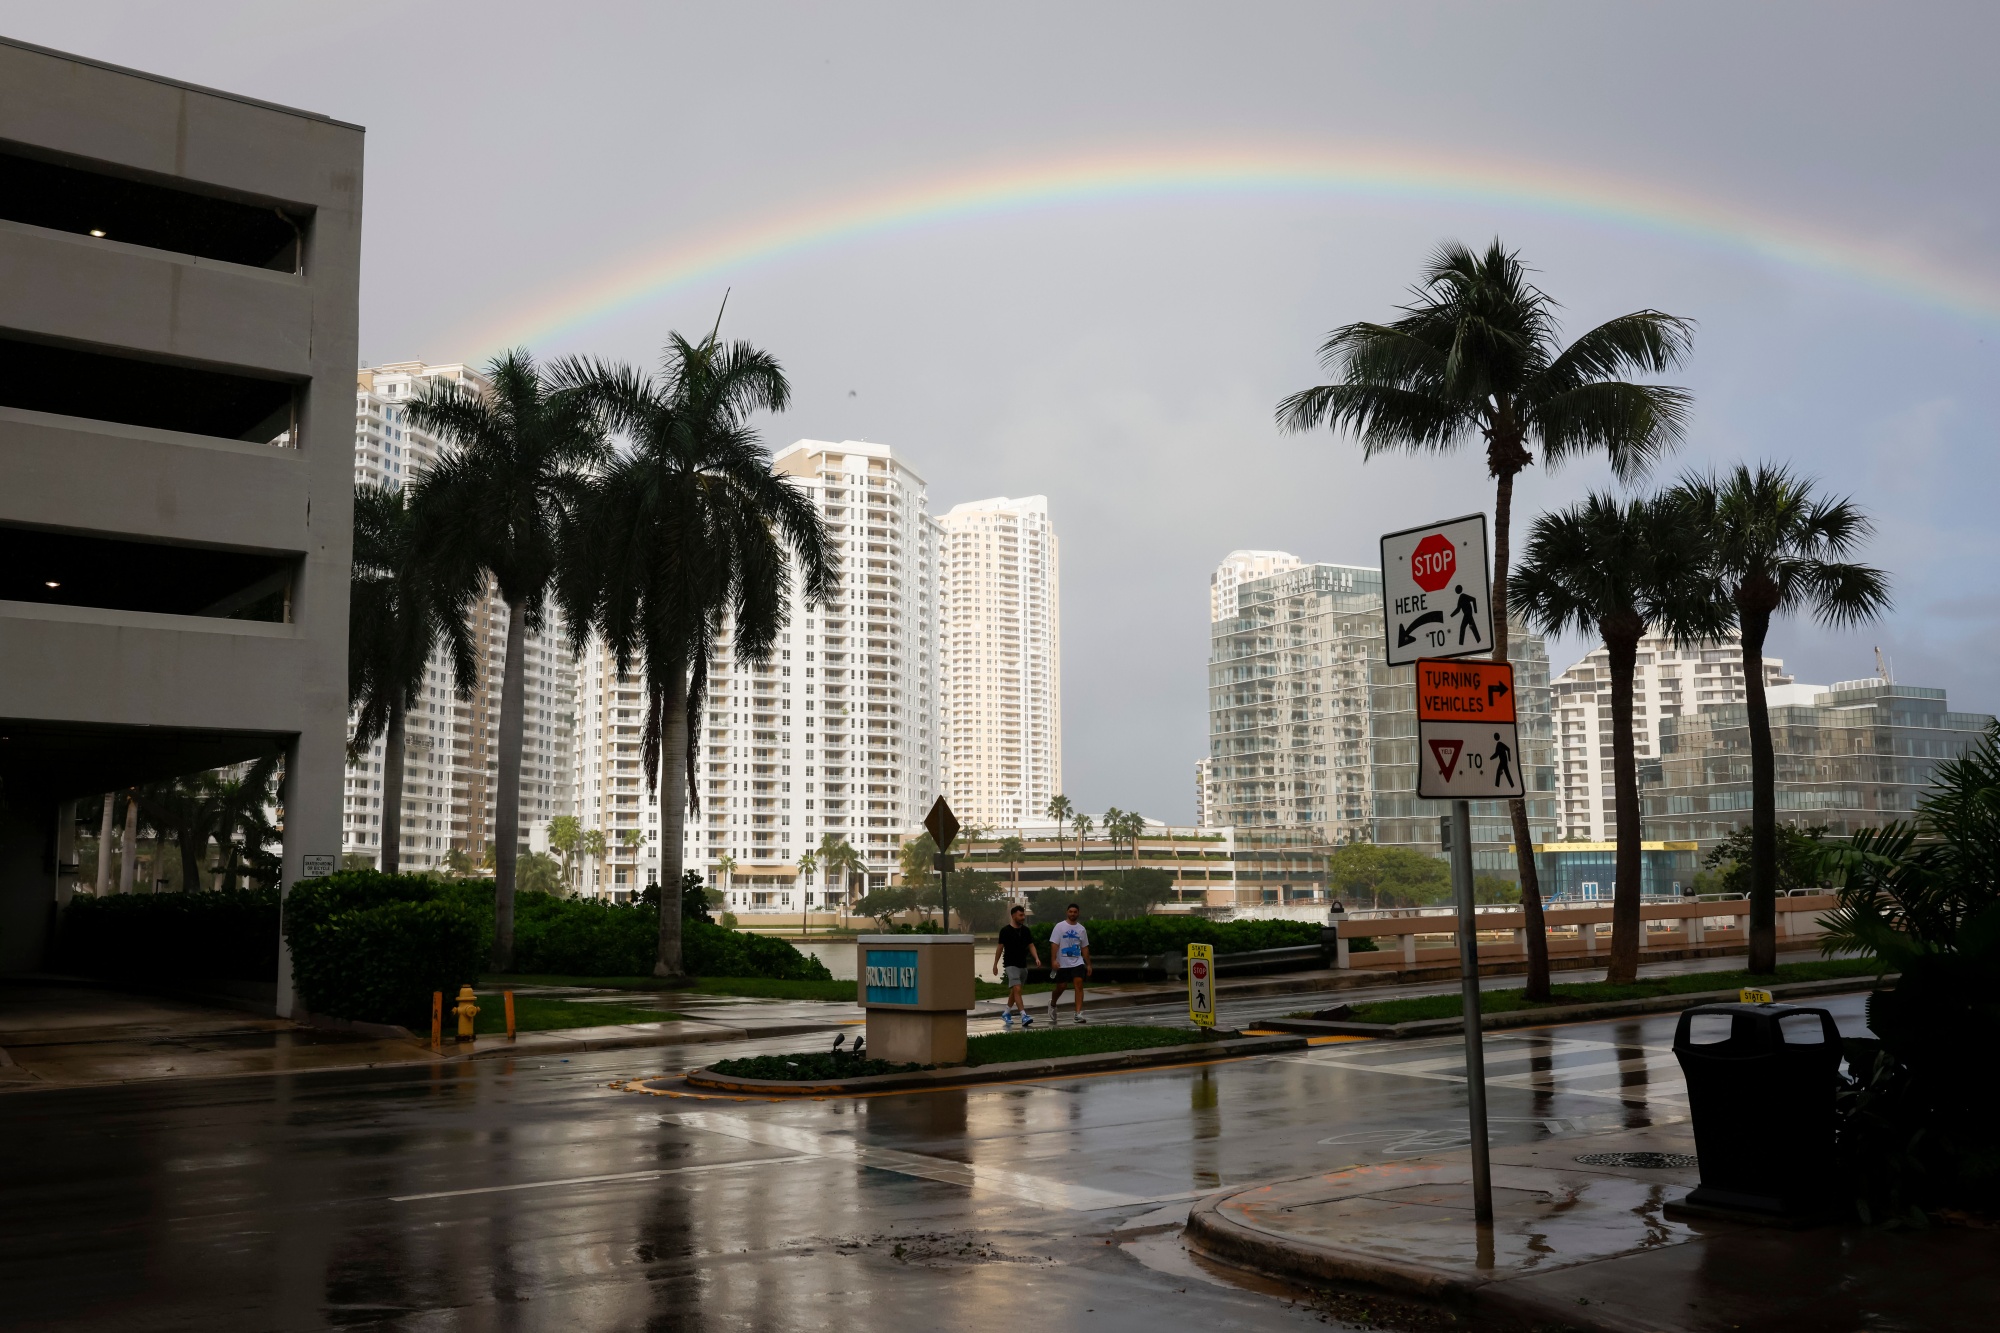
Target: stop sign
x=1200 y=969
x=1433 y=562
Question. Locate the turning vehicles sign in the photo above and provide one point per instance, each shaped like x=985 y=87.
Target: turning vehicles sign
x=1468 y=747
x=1434 y=591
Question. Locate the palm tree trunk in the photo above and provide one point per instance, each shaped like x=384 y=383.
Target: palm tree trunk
x=104 y=845
x=1536 y=929
x=1623 y=649
x=392 y=793
x=1756 y=624
x=507 y=800
x=128 y=850
x=673 y=815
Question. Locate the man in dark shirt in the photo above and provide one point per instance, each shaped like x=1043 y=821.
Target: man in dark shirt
x=1017 y=949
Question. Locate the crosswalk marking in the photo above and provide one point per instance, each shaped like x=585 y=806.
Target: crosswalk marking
x=1570 y=1077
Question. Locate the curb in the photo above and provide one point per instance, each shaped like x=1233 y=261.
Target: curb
x=1150 y=1057
x=556 y=1043
x=1556 y=1014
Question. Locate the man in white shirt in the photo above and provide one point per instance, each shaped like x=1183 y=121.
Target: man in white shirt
x=1069 y=955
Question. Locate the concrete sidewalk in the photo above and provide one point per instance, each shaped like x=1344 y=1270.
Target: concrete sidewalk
x=1588 y=1246
x=69 y=1036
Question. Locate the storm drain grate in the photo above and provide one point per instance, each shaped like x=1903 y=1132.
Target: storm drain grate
x=1651 y=1161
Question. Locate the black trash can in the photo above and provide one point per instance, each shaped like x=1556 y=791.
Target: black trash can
x=1761 y=1080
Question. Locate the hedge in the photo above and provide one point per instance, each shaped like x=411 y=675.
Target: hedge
x=373 y=948
x=200 y=936
x=588 y=937
x=1173 y=934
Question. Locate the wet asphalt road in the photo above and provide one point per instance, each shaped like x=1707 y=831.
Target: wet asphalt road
x=537 y=1196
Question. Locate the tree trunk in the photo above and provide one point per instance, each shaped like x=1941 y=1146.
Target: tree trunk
x=507 y=799
x=104 y=845
x=1756 y=624
x=1536 y=930
x=673 y=815
x=392 y=793
x=1626 y=927
x=128 y=850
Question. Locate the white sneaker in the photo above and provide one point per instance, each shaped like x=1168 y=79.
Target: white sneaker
x=1079 y=1018
x=1055 y=1019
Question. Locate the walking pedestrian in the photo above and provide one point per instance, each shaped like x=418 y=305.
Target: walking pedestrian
x=1069 y=947
x=1017 y=951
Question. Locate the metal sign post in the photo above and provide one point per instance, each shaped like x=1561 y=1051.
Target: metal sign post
x=1460 y=842
x=1201 y=985
x=942 y=825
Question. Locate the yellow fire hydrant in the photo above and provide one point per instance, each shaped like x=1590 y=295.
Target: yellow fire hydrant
x=467 y=1009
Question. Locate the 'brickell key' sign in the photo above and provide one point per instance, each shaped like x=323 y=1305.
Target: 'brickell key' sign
x=1468 y=744
x=1435 y=592
x=891 y=976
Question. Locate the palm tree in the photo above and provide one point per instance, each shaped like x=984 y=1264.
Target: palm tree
x=1476 y=356
x=565 y=835
x=591 y=844
x=493 y=506
x=837 y=855
x=628 y=843
x=1114 y=830
x=397 y=612
x=1775 y=547
x=1012 y=849
x=725 y=868
x=1060 y=810
x=808 y=863
x=1615 y=570
x=686 y=525
x=1082 y=825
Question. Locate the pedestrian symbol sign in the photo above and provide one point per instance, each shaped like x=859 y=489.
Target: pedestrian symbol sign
x=1469 y=746
x=1201 y=984
x=1435 y=593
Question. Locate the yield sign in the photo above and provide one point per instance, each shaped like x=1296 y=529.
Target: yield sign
x=1446 y=753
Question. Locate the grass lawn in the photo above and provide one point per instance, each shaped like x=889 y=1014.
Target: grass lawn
x=1590 y=992
x=533 y=1013
x=994 y=1048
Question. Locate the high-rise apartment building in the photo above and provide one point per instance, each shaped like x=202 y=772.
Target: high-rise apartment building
x=177 y=326
x=1309 y=729
x=451 y=760
x=1236 y=568
x=1000 y=664
x=1204 y=791
x=1850 y=756
x=1669 y=681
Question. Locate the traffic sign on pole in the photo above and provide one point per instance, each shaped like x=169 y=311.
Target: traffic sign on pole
x=1468 y=742
x=1201 y=984
x=1435 y=592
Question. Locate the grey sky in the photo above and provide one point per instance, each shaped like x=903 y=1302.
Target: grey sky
x=1124 y=357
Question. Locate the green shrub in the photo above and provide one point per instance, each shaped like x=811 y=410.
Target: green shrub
x=714 y=951
x=1173 y=934
x=200 y=936
x=373 y=948
x=590 y=937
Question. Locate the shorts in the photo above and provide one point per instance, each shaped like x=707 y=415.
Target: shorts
x=1017 y=976
x=1064 y=974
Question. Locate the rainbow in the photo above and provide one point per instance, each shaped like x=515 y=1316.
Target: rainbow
x=631 y=282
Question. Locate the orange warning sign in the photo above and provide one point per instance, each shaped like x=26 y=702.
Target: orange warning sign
x=1462 y=691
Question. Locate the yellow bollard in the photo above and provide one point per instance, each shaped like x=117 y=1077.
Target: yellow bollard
x=466 y=1008
x=437 y=1020
x=509 y=997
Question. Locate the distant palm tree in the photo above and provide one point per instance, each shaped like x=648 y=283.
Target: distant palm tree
x=398 y=611
x=628 y=843
x=725 y=869
x=493 y=506
x=1618 y=570
x=1775 y=548
x=1060 y=810
x=1012 y=849
x=1114 y=830
x=808 y=863
x=686 y=525
x=1083 y=826
x=565 y=836
x=837 y=855
x=1476 y=356
x=591 y=844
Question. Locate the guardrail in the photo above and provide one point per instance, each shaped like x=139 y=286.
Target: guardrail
x=1575 y=930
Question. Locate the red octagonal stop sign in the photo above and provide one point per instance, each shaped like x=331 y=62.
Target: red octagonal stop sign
x=1432 y=563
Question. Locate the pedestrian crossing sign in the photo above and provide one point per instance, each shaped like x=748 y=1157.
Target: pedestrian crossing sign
x=1201 y=984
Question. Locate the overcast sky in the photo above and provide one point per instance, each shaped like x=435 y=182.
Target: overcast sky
x=1816 y=184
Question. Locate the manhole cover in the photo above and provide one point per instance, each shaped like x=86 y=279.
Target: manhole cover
x=1651 y=1161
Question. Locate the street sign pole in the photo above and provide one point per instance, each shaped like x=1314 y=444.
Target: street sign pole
x=1475 y=1042
x=942 y=825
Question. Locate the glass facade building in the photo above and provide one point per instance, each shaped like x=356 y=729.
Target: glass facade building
x=1310 y=730
x=1588 y=871
x=1858 y=756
